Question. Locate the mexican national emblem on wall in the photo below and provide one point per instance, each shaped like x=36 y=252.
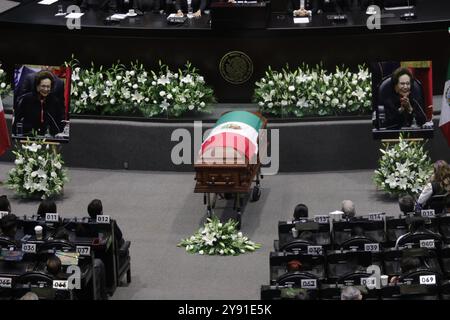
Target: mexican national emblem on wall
x=236 y=67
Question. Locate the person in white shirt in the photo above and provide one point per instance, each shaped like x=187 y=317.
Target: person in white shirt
x=439 y=183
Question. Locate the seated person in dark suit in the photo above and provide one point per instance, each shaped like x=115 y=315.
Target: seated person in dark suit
x=416 y=225
x=4 y=204
x=8 y=226
x=406 y=204
x=41 y=110
x=300 y=212
x=403 y=105
x=304 y=8
x=407 y=264
x=94 y=209
x=46 y=206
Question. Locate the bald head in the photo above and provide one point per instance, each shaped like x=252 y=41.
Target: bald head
x=348 y=207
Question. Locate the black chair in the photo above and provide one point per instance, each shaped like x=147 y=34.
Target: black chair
x=343 y=231
x=42 y=284
x=6 y=242
x=410 y=292
x=353 y=278
x=444 y=227
x=392 y=259
x=124 y=262
x=313 y=264
x=413 y=277
x=445 y=259
x=122 y=255
x=356 y=243
x=445 y=290
x=395 y=227
x=296 y=245
x=340 y=263
x=437 y=203
x=413 y=239
x=59 y=245
x=295 y=278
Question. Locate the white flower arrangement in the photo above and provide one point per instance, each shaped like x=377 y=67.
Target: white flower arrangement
x=39 y=171
x=403 y=168
x=136 y=91
x=5 y=88
x=216 y=238
x=314 y=92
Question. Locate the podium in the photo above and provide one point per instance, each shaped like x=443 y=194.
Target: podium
x=240 y=15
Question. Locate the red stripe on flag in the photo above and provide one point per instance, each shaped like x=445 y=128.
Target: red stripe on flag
x=4 y=134
x=446 y=132
x=227 y=139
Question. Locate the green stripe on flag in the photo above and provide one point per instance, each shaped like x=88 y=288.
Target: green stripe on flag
x=448 y=69
x=241 y=116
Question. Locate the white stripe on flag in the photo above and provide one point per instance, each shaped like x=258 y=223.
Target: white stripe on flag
x=237 y=127
x=445 y=108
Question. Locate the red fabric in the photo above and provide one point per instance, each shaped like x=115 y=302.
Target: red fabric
x=227 y=139
x=65 y=74
x=446 y=132
x=67 y=92
x=4 y=133
x=425 y=76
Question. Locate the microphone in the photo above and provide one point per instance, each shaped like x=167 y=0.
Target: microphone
x=56 y=124
x=426 y=124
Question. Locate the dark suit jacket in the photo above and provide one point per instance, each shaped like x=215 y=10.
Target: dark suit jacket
x=395 y=119
x=29 y=113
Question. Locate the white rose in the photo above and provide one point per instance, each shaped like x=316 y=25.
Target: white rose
x=3 y=85
x=191 y=107
x=119 y=77
x=291 y=88
x=162 y=93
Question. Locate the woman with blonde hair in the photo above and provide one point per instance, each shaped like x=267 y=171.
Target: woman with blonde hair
x=439 y=182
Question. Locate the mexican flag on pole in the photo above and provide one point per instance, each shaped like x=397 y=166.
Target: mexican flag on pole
x=444 y=122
